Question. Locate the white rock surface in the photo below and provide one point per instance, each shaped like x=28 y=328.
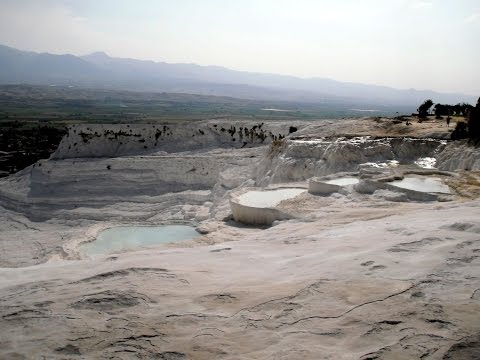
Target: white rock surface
x=299 y=160
x=357 y=275
x=459 y=156
x=260 y=207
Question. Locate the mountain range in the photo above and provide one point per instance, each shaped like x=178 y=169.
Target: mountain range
x=98 y=70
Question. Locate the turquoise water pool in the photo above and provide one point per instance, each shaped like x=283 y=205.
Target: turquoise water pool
x=123 y=238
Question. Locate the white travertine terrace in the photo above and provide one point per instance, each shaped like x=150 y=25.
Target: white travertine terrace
x=321 y=186
x=369 y=272
x=260 y=207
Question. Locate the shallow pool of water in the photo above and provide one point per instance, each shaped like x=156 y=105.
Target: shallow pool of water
x=348 y=180
x=423 y=184
x=132 y=237
x=269 y=198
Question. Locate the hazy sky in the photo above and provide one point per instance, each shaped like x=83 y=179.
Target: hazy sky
x=423 y=44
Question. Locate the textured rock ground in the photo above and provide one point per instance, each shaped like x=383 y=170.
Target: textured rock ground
x=354 y=276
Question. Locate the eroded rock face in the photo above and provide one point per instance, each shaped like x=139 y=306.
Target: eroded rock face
x=459 y=155
x=96 y=165
x=95 y=140
x=299 y=160
x=467 y=349
x=108 y=177
x=109 y=300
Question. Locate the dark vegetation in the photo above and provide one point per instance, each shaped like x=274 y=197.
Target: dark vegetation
x=22 y=144
x=460 y=109
x=424 y=108
x=469 y=128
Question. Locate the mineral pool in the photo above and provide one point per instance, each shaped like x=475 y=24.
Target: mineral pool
x=343 y=181
x=268 y=198
x=423 y=184
x=133 y=237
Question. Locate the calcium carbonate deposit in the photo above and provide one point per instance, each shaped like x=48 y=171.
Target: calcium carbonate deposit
x=368 y=271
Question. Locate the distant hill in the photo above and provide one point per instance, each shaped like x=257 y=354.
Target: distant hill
x=98 y=70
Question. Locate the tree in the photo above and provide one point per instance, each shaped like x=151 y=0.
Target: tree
x=441 y=110
x=465 y=108
x=460 y=132
x=473 y=121
x=424 y=108
x=471 y=128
